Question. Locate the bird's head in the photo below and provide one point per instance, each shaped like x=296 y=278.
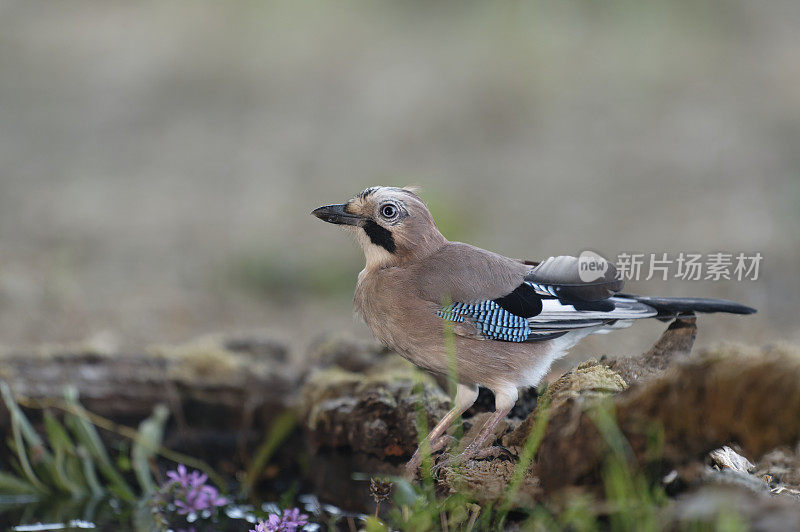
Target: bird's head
x=393 y=225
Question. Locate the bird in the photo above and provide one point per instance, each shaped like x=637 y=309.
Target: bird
x=510 y=319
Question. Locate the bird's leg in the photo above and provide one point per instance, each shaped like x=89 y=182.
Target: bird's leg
x=504 y=401
x=477 y=448
x=436 y=439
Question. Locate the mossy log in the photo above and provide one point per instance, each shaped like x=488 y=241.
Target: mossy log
x=373 y=412
x=675 y=344
x=749 y=397
x=219 y=391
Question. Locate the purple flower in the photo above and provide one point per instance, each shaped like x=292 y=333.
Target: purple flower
x=291 y=521
x=272 y=524
x=213 y=498
x=193 y=501
x=185 y=479
x=190 y=492
x=180 y=476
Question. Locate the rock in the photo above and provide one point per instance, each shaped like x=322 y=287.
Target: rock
x=727 y=458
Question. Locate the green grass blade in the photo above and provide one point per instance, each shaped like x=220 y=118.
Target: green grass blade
x=144 y=520
x=148 y=440
x=426 y=464
x=63 y=447
x=529 y=449
x=89 y=472
x=22 y=456
x=22 y=422
x=279 y=430
x=452 y=367
x=450 y=349
x=22 y=430
x=86 y=434
x=633 y=501
x=12 y=484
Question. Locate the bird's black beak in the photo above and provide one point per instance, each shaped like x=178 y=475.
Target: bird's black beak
x=336 y=214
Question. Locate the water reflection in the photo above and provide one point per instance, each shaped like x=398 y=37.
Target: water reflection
x=75 y=524
x=27 y=514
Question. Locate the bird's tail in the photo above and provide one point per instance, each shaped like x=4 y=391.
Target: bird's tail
x=674 y=306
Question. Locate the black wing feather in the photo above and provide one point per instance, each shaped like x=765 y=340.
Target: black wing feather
x=523 y=301
x=560 y=277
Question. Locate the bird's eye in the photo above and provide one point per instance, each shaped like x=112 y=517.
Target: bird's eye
x=388 y=211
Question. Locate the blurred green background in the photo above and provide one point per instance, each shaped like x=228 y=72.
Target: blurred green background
x=158 y=160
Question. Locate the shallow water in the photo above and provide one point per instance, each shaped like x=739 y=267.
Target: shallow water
x=28 y=514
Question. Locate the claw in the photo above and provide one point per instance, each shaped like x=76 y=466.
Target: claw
x=411 y=468
x=496 y=451
x=447 y=460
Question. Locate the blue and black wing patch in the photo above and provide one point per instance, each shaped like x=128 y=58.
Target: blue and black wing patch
x=491 y=319
x=494 y=322
x=526 y=316
x=552 y=300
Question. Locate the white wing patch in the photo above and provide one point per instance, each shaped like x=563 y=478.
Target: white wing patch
x=560 y=315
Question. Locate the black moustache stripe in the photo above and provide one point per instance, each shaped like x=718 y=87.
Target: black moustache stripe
x=380 y=236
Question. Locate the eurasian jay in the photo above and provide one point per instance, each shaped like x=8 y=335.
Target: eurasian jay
x=510 y=318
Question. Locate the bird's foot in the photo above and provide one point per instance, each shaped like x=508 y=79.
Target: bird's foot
x=411 y=468
x=471 y=452
x=446 y=461
x=495 y=451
